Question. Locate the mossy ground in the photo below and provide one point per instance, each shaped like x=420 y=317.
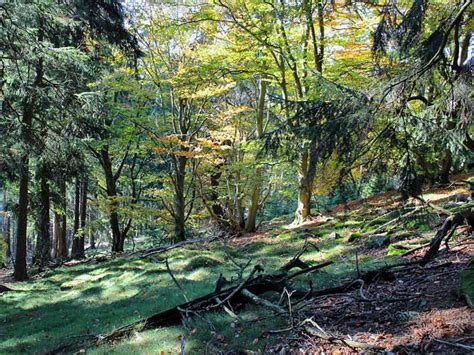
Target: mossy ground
x=67 y=303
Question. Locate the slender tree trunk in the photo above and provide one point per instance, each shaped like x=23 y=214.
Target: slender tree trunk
x=62 y=220
x=84 y=188
x=91 y=233
x=44 y=239
x=7 y=240
x=179 y=200
x=75 y=253
x=56 y=228
x=252 y=216
x=6 y=226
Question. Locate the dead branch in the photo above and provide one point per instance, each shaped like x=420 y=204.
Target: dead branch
x=263 y=302
x=462 y=346
x=296 y=261
x=354 y=345
x=447 y=230
x=396 y=220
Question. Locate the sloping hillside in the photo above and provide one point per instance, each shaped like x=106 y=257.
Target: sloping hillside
x=406 y=308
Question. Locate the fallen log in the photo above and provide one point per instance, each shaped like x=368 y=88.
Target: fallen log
x=255 y=285
x=367 y=277
x=4 y=288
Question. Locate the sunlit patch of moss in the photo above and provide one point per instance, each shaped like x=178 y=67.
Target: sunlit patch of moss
x=287 y=235
x=396 y=249
x=354 y=236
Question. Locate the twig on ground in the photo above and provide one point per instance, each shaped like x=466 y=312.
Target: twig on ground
x=262 y=302
x=354 y=345
x=466 y=347
x=176 y=281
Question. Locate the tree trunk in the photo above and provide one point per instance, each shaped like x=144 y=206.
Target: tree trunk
x=117 y=242
x=91 y=233
x=6 y=226
x=252 y=216
x=446 y=164
x=83 y=217
x=179 y=200
x=20 y=272
x=75 y=253
x=44 y=240
x=62 y=222
x=56 y=228
x=303 y=210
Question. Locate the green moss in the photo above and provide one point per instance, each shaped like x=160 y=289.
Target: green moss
x=396 y=249
x=200 y=261
x=354 y=236
x=287 y=235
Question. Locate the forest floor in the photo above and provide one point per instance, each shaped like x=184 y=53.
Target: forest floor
x=416 y=310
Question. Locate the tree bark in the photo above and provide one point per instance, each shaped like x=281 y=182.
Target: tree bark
x=20 y=272
x=179 y=200
x=75 y=253
x=44 y=240
x=56 y=228
x=303 y=210
x=252 y=216
x=62 y=223
x=84 y=188
x=446 y=163
x=6 y=226
x=111 y=184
